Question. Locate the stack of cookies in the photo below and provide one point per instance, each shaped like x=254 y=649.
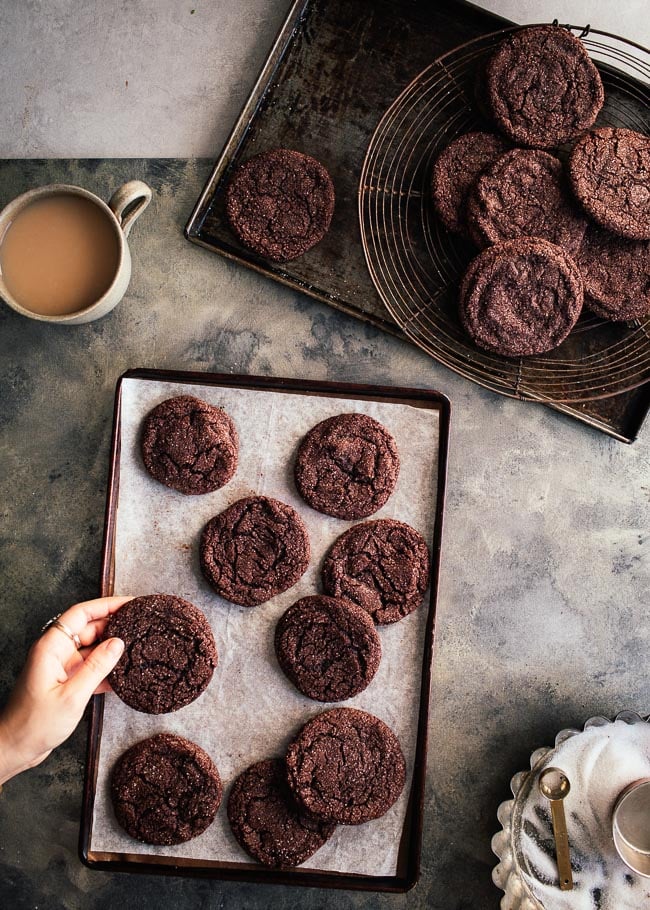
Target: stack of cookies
x=344 y=766
x=553 y=235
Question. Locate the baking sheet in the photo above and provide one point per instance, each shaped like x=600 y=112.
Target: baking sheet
x=333 y=71
x=250 y=710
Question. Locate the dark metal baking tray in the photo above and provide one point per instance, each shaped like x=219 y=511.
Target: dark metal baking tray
x=333 y=71
x=411 y=841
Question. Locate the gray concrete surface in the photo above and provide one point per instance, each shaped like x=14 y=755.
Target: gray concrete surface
x=157 y=78
x=546 y=564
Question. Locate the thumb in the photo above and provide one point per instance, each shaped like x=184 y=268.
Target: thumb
x=95 y=668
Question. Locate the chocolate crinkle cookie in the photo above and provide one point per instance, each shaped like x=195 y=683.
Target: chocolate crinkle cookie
x=609 y=170
x=383 y=566
x=455 y=171
x=255 y=549
x=347 y=466
x=189 y=445
x=542 y=86
x=280 y=203
x=328 y=648
x=268 y=822
x=346 y=766
x=169 y=655
x=616 y=275
x=524 y=194
x=520 y=297
x=165 y=790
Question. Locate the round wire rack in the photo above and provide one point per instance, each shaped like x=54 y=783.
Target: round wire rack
x=416 y=264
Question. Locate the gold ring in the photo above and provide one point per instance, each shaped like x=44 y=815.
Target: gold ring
x=61 y=626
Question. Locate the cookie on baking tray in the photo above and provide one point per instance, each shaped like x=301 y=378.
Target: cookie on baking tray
x=347 y=466
x=255 y=549
x=524 y=193
x=543 y=88
x=268 y=822
x=455 y=172
x=520 y=297
x=280 y=203
x=609 y=170
x=382 y=565
x=169 y=653
x=346 y=766
x=189 y=445
x=328 y=647
x=165 y=790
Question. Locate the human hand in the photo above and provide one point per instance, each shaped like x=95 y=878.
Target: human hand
x=55 y=685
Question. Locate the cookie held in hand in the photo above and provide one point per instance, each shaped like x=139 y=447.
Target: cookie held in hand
x=169 y=653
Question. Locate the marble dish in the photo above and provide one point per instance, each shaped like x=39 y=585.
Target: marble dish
x=600 y=761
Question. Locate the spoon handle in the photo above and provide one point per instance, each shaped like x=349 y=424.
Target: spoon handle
x=561 y=845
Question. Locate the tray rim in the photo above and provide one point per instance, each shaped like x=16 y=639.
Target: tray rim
x=411 y=839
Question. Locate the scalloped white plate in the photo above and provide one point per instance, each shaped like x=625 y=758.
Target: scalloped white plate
x=600 y=761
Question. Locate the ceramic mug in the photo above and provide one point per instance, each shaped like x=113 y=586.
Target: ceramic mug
x=134 y=196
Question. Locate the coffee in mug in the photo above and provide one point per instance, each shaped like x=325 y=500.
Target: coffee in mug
x=59 y=255
x=63 y=252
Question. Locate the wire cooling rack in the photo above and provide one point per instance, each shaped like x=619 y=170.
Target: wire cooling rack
x=416 y=264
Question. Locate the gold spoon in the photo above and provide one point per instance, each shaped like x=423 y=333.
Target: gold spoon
x=554 y=785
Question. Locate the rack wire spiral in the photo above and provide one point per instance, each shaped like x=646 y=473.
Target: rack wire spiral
x=416 y=264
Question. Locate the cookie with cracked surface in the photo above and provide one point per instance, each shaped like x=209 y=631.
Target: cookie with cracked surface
x=255 y=549
x=524 y=194
x=616 y=274
x=543 y=87
x=280 y=203
x=165 y=790
x=268 y=822
x=347 y=466
x=609 y=170
x=382 y=566
x=455 y=171
x=169 y=653
x=520 y=297
x=328 y=647
x=189 y=445
x=346 y=766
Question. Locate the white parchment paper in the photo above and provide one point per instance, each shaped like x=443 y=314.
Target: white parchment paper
x=250 y=710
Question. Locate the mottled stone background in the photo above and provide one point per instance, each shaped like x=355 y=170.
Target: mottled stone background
x=545 y=566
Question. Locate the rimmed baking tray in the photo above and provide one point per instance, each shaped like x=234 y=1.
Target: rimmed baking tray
x=333 y=71
x=398 y=401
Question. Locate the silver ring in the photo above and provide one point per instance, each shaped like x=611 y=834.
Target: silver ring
x=61 y=626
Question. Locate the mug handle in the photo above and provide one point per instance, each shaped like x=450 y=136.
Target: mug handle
x=135 y=191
